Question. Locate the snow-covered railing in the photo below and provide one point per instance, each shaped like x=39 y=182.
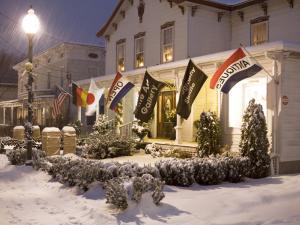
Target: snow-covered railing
x=126 y=129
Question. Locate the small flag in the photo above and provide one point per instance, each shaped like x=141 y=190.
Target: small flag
x=147 y=97
x=193 y=81
x=97 y=92
x=57 y=103
x=81 y=97
x=118 y=90
x=236 y=68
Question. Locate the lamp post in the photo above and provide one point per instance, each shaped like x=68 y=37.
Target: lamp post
x=30 y=25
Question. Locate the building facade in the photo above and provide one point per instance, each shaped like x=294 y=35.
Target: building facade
x=57 y=66
x=161 y=36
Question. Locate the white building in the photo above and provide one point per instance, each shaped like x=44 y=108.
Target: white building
x=161 y=35
x=59 y=65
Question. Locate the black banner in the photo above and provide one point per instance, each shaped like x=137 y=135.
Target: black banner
x=147 y=97
x=193 y=80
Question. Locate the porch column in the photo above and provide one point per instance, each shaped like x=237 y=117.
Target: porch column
x=79 y=113
x=178 y=127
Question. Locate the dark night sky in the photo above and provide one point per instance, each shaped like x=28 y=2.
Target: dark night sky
x=61 y=20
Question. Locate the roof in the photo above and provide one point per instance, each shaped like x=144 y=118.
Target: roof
x=228 y=5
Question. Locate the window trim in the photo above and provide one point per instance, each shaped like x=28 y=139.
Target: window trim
x=136 y=37
x=119 y=43
x=258 y=20
x=164 y=27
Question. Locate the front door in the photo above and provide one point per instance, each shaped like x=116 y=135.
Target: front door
x=166 y=114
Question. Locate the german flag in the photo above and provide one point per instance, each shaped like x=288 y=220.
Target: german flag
x=81 y=97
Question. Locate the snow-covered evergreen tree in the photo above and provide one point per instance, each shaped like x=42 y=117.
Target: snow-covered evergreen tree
x=208 y=134
x=254 y=142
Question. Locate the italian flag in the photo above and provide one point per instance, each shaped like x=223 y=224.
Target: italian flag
x=236 y=68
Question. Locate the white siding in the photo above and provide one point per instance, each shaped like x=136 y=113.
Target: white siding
x=206 y=34
x=289 y=125
x=156 y=14
x=282 y=22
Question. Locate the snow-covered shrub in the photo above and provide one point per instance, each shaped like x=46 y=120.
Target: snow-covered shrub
x=209 y=171
x=208 y=134
x=153 y=149
x=177 y=153
x=38 y=158
x=103 y=142
x=254 y=142
x=115 y=193
x=236 y=168
x=140 y=129
x=176 y=171
x=17 y=155
x=122 y=189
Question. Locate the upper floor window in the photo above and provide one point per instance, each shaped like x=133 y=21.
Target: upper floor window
x=259 y=30
x=121 y=55
x=167 y=42
x=139 y=50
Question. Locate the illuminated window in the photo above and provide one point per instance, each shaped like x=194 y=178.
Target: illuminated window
x=121 y=55
x=259 y=30
x=241 y=94
x=167 y=42
x=139 y=50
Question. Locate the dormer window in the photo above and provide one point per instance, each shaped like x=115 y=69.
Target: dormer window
x=139 y=50
x=121 y=55
x=259 y=30
x=167 y=42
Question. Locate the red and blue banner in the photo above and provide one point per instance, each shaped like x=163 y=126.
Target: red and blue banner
x=236 y=68
x=119 y=88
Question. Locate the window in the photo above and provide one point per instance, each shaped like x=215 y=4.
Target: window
x=121 y=55
x=241 y=94
x=167 y=42
x=259 y=30
x=139 y=50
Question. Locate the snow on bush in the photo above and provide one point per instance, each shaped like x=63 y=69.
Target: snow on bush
x=209 y=171
x=104 y=143
x=140 y=129
x=17 y=155
x=122 y=189
x=254 y=142
x=208 y=134
x=176 y=172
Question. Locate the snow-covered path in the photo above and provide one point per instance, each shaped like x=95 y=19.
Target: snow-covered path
x=28 y=197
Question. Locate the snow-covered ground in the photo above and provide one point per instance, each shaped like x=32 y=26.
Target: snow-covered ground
x=28 y=197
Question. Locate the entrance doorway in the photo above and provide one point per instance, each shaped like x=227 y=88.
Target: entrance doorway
x=166 y=114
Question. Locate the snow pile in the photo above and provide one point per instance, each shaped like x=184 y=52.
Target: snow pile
x=27 y=197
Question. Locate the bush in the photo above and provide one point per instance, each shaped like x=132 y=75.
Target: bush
x=237 y=168
x=140 y=129
x=103 y=141
x=17 y=156
x=254 y=142
x=176 y=172
x=209 y=171
x=208 y=134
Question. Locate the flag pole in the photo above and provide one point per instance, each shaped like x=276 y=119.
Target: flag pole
x=271 y=76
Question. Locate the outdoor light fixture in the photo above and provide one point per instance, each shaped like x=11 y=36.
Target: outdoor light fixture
x=31 y=23
x=31 y=26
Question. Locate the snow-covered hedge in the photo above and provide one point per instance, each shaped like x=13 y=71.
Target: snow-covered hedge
x=176 y=171
x=121 y=189
x=17 y=155
x=207 y=171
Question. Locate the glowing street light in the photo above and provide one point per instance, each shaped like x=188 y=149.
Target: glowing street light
x=30 y=26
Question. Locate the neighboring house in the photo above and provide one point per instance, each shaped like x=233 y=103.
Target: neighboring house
x=162 y=35
x=59 y=65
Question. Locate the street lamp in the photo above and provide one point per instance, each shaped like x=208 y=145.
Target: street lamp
x=30 y=25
